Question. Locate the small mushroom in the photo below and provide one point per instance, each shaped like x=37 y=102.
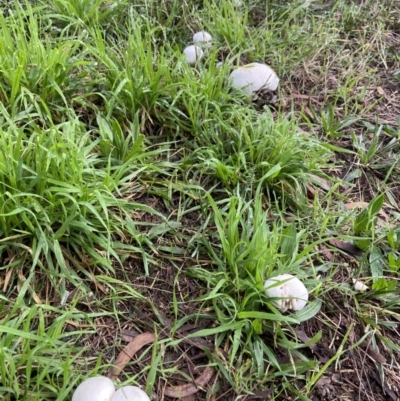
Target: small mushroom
x=130 y=393
x=99 y=388
x=202 y=39
x=193 y=54
x=359 y=286
x=254 y=77
x=291 y=292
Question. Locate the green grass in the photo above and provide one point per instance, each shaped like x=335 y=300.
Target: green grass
x=140 y=194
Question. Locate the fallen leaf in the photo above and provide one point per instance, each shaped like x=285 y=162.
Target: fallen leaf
x=128 y=335
x=305 y=339
x=35 y=296
x=346 y=246
x=373 y=353
x=190 y=398
x=324 y=381
x=352 y=205
x=336 y=378
x=326 y=252
x=283 y=360
x=185 y=390
x=380 y=91
x=321 y=182
x=309 y=113
x=7 y=279
x=259 y=395
x=128 y=352
x=364 y=205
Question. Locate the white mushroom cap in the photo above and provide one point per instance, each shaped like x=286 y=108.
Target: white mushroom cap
x=202 y=38
x=99 y=388
x=254 y=77
x=292 y=292
x=193 y=54
x=130 y=393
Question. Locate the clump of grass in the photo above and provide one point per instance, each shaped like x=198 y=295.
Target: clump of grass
x=245 y=148
x=57 y=207
x=36 y=67
x=38 y=358
x=246 y=250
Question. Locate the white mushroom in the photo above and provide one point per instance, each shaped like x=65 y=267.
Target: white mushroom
x=202 y=38
x=290 y=292
x=99 y=388
x=130 y=393
x=193 y=54
x=254 y=77
x=359 y=286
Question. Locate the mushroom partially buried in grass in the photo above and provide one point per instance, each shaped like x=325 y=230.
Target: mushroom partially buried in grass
x=202 y=39
x=193 y=54
x=255 y=77
x=130 y=393
x=288 y=292
x=101 y=388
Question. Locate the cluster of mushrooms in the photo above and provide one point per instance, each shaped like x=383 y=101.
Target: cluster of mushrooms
x=251 y=78
x=287 y=291
x=101 y=388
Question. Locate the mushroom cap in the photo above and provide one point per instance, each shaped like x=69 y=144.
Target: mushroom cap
x=130 y=393
x=254 y=77
x=202 y=38
x=99 y=388
x=193 y=54
x=292 y=292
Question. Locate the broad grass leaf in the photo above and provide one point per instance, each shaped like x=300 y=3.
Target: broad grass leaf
x=375 y=263
x=267 y=316
x=309 y=311
x=289 y=243
x=220 y=329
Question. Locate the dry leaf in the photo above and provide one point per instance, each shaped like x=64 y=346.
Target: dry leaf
x=186 y=390
x=305 y=339
x=380 y=91
x=34 y=295
x=259 y=395
x=352 y=205
x=7 y=279
x=128 y=335
x=324 y=381
x=373 y=353
x=346 y=246
x=364 y=205
x=321 y=182
x=326 y=252
x=128 y=352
